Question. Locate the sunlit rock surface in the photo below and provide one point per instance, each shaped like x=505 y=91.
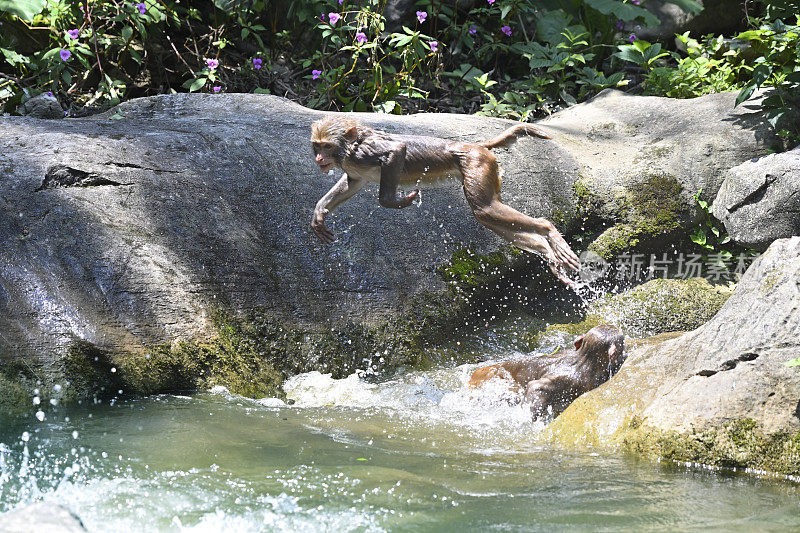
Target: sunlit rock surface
x=727 y=371
x=129 y=228
x=43 y=517
x=759 y=201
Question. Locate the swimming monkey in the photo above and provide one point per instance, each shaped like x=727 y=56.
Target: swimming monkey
x=549 y=383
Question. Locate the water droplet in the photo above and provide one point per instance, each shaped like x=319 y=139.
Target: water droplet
x=40 y=415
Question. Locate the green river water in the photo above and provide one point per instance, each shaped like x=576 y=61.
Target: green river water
x=417 y=453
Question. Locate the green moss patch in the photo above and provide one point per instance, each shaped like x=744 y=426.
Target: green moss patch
x=16 y=391
x=738 y=444
x=663 y=305
x=648 y=212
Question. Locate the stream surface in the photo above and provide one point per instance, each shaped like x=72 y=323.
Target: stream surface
x=417 y=453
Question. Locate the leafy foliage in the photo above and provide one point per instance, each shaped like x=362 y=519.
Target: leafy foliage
x=515 y=58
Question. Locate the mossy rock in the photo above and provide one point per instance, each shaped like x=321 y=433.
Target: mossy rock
x=16 y=394
x=89 y=372
x=737 y=444
x=658 y=306
x=648 y=213
x=663 y=305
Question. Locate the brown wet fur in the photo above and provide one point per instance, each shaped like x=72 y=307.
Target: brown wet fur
x=551 y=382
x=393 y=160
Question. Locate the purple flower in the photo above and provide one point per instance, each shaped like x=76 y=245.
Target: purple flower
x=65 y=54
x=257 y=63
x=506 y=30
x=341 y=2
x=637 y=2
x=490 y=2
x=315 y=74
x=212 y=63
x=334 y=17
x=632 y=37
x=73 y=34
x=322 y=17
x=49 y=93
x=421 y=16
x=620 y=24
x=217 y=88
x=434 y=45
x=473 y=29
x=141 y=7
x=361 y=37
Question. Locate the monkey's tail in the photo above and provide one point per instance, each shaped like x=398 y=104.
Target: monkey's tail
x=509 y=136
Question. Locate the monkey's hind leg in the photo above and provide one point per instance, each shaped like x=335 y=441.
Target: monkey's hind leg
x=481 y=187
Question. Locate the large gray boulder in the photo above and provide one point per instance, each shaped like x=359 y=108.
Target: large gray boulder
x=641 y=160
x=42 y=517
x=759 y=201
x=130 y=228
x=720 y=394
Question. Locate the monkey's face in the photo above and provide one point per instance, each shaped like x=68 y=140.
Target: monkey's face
x=325 y=154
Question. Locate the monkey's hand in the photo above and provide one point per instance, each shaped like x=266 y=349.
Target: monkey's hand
x=564 y=256
x=318 y=225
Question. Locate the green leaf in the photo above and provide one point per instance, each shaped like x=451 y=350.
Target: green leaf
x=745 y=93
x=761 y=73
x=794 y=77
x=24 y=9
x=387 y=107
x=689 y=6
x=775 y=115
x=13 y=58
x=699 y=236
x=127 y=33
x=752 y=35
x=259 y=90
x=622 y=11
x=195 y=84
x=629 y=53
x=793 y=362
x=615 y=78
x=551 y=25
x=504 y=11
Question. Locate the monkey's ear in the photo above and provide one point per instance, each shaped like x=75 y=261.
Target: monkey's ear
x=578 y=342
x=612 y=350
x=351 y=134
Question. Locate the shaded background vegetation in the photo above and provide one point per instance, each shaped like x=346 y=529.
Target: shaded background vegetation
x=511 y=58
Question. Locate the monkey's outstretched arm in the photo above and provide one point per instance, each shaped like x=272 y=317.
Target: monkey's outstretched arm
x=391 y=170
x=344 y=189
